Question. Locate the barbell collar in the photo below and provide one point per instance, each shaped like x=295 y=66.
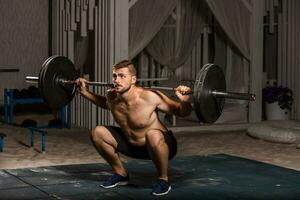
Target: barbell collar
x=32 y=79
x=233 y=95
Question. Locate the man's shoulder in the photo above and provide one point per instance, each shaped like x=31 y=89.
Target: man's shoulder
x=152 y=95
x=146 y=91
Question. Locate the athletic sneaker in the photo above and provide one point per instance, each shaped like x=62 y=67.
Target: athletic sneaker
x=161 y=187
x=115 y=180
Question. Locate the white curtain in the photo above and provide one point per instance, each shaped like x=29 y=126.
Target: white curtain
x=175 y=41
x=289 y=51
x=235 y=18
x=235 y=66
x=145 y=20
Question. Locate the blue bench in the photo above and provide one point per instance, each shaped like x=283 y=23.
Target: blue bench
x=42 y=133
x=2 y=136
x=10 y=101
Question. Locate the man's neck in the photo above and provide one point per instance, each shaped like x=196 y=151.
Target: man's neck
x=129 y=95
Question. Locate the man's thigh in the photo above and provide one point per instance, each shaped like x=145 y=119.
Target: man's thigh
x=129 y=150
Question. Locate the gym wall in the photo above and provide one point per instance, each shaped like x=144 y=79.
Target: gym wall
x=24 y=40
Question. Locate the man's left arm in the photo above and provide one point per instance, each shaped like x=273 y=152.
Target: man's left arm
x=181 y=108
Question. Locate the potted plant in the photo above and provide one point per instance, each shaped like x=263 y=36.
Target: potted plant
x=279 y=102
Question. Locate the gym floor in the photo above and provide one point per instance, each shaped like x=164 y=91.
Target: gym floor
x=72 y=147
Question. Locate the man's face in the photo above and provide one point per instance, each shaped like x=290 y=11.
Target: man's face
x=122 y=79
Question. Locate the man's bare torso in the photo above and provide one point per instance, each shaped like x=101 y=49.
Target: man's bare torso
x=137 y=116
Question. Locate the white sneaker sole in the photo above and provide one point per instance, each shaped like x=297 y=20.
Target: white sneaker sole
x=111 y=186
x=160 y=194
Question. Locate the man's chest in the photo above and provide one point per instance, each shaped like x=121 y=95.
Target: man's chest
x=138 y=113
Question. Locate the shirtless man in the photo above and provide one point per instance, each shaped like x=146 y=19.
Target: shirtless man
x=141 y=134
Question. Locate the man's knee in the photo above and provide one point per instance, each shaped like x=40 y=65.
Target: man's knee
x=155 y=138
x=98 y=133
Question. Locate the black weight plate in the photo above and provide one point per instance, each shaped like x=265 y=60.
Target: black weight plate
x=45 y=66
x=54 y=93
x=41 y=75
x=207 y=107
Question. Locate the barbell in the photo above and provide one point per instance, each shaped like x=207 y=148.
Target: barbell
x=56 y=83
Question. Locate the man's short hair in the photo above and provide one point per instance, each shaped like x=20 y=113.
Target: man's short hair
x=126 y=63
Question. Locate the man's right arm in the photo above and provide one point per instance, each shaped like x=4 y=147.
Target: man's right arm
x=99 y=100
x=95 y=98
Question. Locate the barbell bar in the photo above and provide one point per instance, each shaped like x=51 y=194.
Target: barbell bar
x=56 y=83
x=228 y=95
x=94 y=83
x=35 y=79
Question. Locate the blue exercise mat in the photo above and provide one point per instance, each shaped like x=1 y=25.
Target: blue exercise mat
x=192 y=177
